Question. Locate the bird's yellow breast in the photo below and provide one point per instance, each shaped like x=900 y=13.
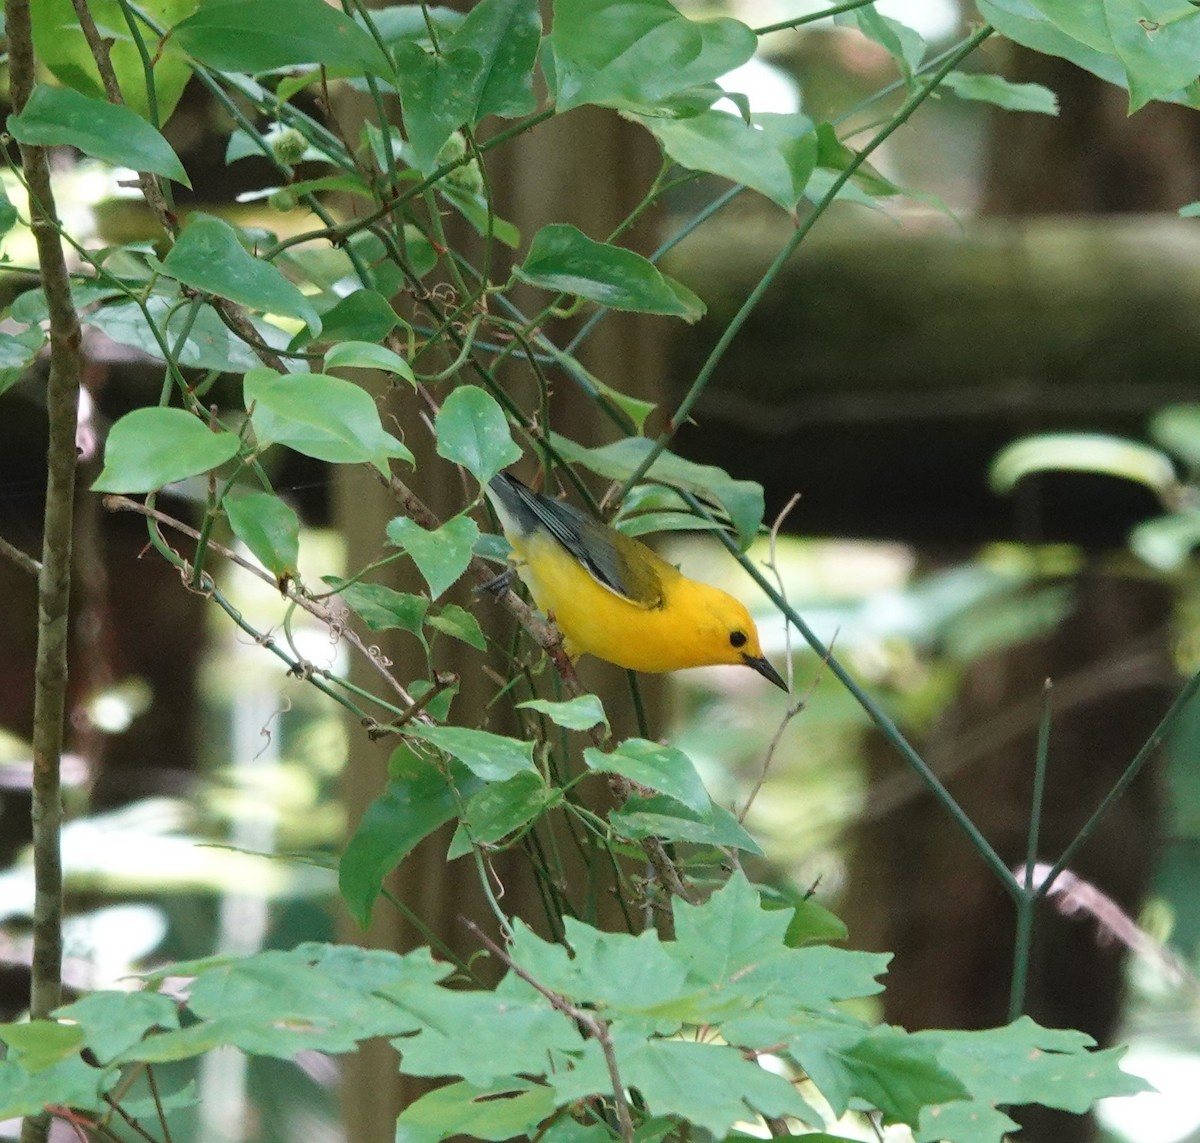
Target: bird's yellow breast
x=689 y=629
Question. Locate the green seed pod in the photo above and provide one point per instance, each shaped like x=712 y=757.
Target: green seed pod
x=289 y=146
x=283 y=200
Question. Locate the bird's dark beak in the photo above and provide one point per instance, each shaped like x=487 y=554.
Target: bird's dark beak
x=764 y=668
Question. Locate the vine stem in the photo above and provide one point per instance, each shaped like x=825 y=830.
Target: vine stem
x=802 y=231
x=54 y=578
x=589 y=1022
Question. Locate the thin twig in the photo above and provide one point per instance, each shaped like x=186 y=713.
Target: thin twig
x=588 y=1021
x=795 y=708
x=791 y=712
x=773 y=564
x=158 y=1105
x=101 y=50
x=129 y=1119
x=25 y=562
x=316 y=609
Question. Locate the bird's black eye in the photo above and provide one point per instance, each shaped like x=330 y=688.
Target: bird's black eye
x=737 y=639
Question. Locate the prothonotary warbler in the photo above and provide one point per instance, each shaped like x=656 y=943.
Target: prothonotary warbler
x=613 y=597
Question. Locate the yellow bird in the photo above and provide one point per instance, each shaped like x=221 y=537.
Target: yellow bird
x=613 y=597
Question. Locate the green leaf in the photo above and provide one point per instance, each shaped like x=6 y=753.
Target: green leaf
x=208 y=256
x=1082 y=452
x=472 y=431
x=1156 y=41
x=40 y=1043
x=485 y=1036
x=56 y=116
x=9 y=217
x=1019 y=1064
x=1003 y=93
x=635 y=54
x=397 y=22
x=1177 y=429
x=905 y=45
x=611 y=972
x=113 y=1022
x=70 y=1083
x=834 y=156
x=474 y=208
x=900 y=1075
x=1021 y=22
x=366 y=355
x=438 y=707
x=499 y=809
x=417 y=800
x=650 y=764
x=231 y=35
x=729 y=932
x=775 y=156
x=17 y=354
x=580 y=713
x=1166 y=542
x=812 y=923
x=634 y=408
x=150 y=1106
x=438 y=94
x=153 y=447
x=648 y=522
x=492 y=757
x=1145 y=47
x=442 y=555
x=741 y=500
x=459 y=623
x=269 y=527
x=210 y=343
x=319 y=416
x=665 y=817
x=278 y=1003
x=506 y=35
x=383 y=609
x=707 y=1084
x=361 y=316
x=61 y=46
x=500 y=1111
x=565 y=260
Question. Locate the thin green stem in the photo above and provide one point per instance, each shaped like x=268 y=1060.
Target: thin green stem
x=639 y=707
x=734 y=327
x=1027 y=901
x=811 y=17
x=1186 y=694
x=147 y=63
x=874 y=711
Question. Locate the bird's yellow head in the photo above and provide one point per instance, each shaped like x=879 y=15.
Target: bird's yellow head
x=724 y=633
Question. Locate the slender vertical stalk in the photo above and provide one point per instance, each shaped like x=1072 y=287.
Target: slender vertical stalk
x=54 y=580
x=1028 y=897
